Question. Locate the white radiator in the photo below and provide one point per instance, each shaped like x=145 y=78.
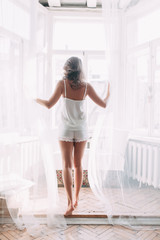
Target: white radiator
x=18 y=164
x=19 y=157
x=143 y=161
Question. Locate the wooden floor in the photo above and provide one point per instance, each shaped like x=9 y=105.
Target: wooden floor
x=89 y=205
x=136 y=202
x=88 y=232
x=139 y=202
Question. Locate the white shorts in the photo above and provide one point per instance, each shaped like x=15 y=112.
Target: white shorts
x=72 y=135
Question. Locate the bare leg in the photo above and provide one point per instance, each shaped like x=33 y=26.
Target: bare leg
x=66 y=151
x=78 y=171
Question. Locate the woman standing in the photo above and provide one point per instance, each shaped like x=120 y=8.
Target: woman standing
x=73 y=132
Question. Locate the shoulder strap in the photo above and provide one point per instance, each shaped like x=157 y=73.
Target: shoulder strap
x=85 y=91
x=64 y=88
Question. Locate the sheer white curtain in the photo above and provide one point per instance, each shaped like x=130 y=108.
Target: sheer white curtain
x=28 y=181
x=113 y=159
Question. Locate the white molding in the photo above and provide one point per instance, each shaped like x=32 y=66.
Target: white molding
x=87 y=52
x=144 y=139
x=135 y=221
x=69 y=10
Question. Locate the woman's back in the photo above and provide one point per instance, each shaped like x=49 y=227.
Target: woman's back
x=74 y=94
x=73 y=112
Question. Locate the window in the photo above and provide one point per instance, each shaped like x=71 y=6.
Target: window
x=156 y=88
x=10 y=83
x=41 y=75
x=141 y=110
x=85 y=39
x=143 y=89
x=83 y=34
x=97 y=76
x=143 y=74
x=15 y=19
x=41 y=30
x=146 y=27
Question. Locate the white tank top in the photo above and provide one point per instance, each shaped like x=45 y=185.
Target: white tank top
x=73 y=112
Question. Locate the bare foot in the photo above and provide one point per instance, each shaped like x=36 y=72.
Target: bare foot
x=69 y=211
x=75 y=204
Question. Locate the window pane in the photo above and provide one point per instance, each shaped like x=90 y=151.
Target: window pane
x=142 y=106
x=158 y=56
x=41 y=75
x=97 y=76
x=148 y=28
x=79 y=35
x=97 y=70
x=144 y=28
x=41 y=23
x=15 y=19
x=137 y=95
x=9 y=84
x=156 y=103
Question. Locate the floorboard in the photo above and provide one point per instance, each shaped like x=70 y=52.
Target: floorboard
x=81 y=232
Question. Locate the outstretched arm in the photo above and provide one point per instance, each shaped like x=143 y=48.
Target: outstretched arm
x=93 y=95
x=53 y=99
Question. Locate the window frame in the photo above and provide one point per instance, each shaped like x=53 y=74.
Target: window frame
x=151 y=45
